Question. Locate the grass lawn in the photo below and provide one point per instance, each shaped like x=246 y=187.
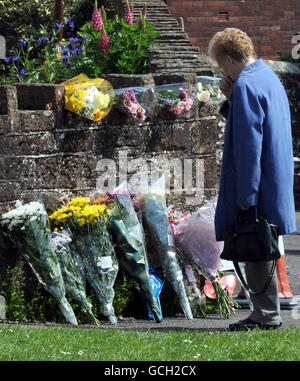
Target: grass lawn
x=31 y=343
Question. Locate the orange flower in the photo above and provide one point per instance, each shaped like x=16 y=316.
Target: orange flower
x=98 y=116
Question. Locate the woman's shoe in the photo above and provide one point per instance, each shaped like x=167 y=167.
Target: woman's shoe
x=248 y=325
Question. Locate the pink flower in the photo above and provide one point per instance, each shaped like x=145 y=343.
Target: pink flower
x=183 y=95
x=144 y=11
x=179 y=108
x=205 y=97
x=167 y=104
x=141 y=113
x=188 y=104
x=128 y=14
x=62 y=198
x=104 y=42
x=97 y=18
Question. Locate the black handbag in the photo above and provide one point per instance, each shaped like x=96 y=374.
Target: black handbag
x=251 y=242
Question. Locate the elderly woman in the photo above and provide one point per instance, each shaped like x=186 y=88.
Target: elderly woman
x=257 y=166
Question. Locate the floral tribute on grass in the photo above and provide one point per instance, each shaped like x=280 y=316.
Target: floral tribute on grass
x=195 y=239
x=91 y=239
x=28 y=228
x=155 y=217
x=100 y=46
x=95 y=236
x=128 y=235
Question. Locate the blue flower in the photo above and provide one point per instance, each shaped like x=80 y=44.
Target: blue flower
x=7 y=59
x=75 y=50
x=23 y=72
x=22 y=42
x=74 y=39
x=71 y=23
x=65 y=50
x=65 y=58
x=43 y=39
x=58 y=26
x=14 y=58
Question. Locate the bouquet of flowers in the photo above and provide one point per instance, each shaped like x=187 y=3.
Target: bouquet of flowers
x=129 y=105
x=71 y=268
x=173 y=98
x=27 y=226
x=208 y=88
x=155 y=217
x=135 y=101
x=91 y=239
x=195 y=240
x=128 y=235
x=90 y=98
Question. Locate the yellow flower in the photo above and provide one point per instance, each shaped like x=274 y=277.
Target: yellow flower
x=58 y=56
x=79 y=201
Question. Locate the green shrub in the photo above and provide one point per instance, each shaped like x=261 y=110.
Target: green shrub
x=24 y=17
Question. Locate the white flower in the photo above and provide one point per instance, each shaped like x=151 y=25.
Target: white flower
x=80 y=352
x=22 y=213
x=96 y=99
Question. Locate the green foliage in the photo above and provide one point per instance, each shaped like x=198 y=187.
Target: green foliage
x=27 y=300
x=128 y=52
x=13 y=291
x=124 y=292
x=24 y=17
x=43 y=57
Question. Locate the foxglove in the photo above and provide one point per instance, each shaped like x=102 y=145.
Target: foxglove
x=128 y=14
x=97 y=18
x=104 y=42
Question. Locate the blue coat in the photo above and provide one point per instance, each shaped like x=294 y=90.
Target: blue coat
x=257 y=166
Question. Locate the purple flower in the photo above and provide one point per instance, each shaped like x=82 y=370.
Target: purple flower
x=144 y=11
x=128 y=14
x=11 y=58
x=97 y=22
x=71 y=23
x=22 y=42
x=23 y=72
x=104 y=42
x=58 y=26
x=43 y=39
x=74 y=39
x=76 y=50
x=183 y=95
x=167 y=104
x=65 y=58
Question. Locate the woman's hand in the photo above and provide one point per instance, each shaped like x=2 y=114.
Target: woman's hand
x=226 y=85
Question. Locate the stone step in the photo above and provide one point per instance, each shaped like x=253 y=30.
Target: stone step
x=176 y=50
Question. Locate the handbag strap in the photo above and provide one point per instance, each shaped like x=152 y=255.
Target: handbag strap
x=238 y=270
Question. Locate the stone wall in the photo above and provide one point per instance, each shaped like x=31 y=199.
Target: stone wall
x=46 y=153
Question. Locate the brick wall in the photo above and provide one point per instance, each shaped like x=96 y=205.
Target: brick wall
x=270 y=24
